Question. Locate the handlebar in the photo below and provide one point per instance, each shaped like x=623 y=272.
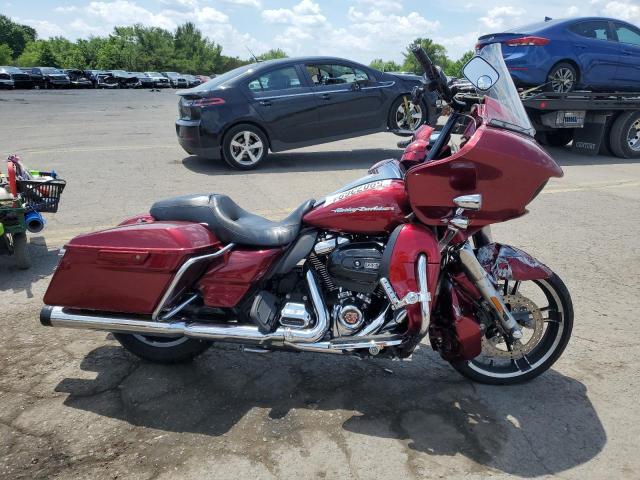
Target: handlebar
x=425 y=62
x=436 y=79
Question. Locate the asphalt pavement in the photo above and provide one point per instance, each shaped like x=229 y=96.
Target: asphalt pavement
x=74 y=404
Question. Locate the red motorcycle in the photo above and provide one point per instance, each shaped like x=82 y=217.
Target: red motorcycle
x=370 y=270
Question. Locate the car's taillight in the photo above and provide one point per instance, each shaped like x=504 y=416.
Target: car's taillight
x=207 y=102
x=528 y=41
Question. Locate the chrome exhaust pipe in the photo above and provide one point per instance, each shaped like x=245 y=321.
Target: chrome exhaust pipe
x=59 y=317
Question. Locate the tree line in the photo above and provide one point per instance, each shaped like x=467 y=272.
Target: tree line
x=142 y=48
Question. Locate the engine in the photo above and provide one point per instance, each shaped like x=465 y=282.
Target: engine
x=350 y=273
x=355 y=266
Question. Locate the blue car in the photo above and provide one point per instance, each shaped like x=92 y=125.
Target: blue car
x=580 y=53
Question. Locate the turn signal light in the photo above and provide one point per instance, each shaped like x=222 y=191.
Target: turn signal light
x=207 y=102
x=528 y=41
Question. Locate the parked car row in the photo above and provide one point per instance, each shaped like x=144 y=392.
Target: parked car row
x=50 y=77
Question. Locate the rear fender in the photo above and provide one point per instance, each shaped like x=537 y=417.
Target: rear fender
x=406 y=244
x=504 y=262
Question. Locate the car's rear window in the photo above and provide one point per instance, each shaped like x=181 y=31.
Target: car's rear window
x=224 y=78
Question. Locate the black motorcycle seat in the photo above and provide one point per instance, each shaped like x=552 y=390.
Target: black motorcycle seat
x=229 y=222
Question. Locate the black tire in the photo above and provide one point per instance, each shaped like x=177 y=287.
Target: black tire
x=624 y=138
x=392 y=120
x=247 y=159
x=21 y=251
x=174 y=350
x=566 y=76
x=562 y=331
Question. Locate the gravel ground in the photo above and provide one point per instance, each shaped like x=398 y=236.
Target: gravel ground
x=76 y=405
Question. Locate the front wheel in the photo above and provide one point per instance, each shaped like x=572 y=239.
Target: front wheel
x=162 y=349
x=544 y=310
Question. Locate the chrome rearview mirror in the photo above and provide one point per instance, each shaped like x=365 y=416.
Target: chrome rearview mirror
x=469 y=202
x=480 y=73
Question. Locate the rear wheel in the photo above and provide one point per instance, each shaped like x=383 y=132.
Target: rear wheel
x=544 y=309
x=244 y=147
x=624 y=138
x=162 y=349
x=562 y=78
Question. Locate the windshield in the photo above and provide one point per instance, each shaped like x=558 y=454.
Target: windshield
x=51 y=70
x=502 y=104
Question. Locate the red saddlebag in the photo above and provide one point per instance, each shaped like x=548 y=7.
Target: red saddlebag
x=127 y=268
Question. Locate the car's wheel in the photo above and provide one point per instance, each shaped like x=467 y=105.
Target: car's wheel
x=244 y=147
x=562 y=78
x=405 y=115
x=624 y=138
x=21 y=250
x=162 y=349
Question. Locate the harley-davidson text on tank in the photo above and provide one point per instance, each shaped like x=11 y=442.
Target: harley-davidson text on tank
x=378 y=185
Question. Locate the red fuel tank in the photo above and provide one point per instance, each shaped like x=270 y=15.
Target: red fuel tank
x=370 y=208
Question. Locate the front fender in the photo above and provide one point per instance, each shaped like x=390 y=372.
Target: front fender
x=510 y=263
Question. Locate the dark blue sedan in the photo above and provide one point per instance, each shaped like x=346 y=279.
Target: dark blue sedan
x=294 y=102
x=579 y=53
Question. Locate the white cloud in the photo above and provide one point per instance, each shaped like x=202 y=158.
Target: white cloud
x=381 y=5
x=572 y=11
x=66 y=9
x=44 y=28
x=496 y=17
x=245 y=3
x=305 y=13
x=623 y=10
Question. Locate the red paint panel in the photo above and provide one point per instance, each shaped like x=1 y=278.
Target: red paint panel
x=510 y=263
x=507 y=168
x=125 y=269
x=225 y=283
x=468 y=333
x=373 y=209
x=412 y=241
x=140 y=218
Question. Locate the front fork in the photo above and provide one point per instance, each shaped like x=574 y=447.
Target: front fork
x=480 y=278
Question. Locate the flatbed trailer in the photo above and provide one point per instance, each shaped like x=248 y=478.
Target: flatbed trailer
x=595 y=122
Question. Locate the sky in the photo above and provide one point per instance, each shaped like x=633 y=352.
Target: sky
x=357 y=29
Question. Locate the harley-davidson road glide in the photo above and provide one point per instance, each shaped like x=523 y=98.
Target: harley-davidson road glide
x=396 y=258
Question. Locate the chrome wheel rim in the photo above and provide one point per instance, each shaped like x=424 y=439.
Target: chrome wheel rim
x=410 y=120
x=562 y=80
x=160 y=342
x=633 y=137
x=545 y=330
x=246 y=148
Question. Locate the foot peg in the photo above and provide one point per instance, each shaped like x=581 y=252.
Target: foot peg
x=410 y=298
